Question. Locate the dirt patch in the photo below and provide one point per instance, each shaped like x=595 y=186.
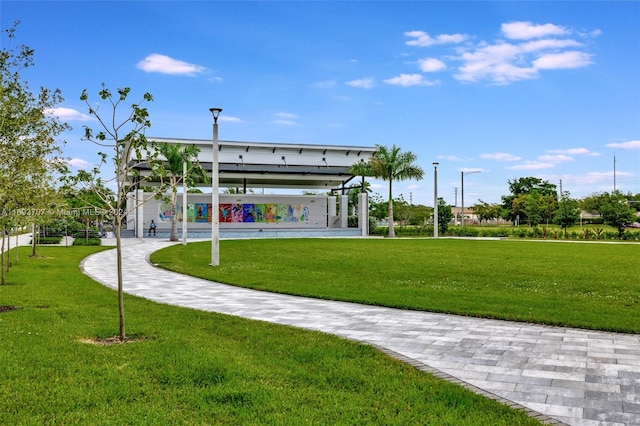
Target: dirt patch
x=8 y=308
x=113 y=340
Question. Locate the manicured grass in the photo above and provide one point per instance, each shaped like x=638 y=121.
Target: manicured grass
x=594 y=286
x=196 y=368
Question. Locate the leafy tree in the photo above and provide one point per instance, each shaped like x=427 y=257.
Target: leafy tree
x=513 y=204
x=179 y=158
x=402 y=210
x=616 y=211
x=391 y=165
x=568 y=212
x=378 y=208
x=131 y=151
x=486 y=211
x=444 y=216
x=355 y=192
x=28 y=144
x=89 y=206
x=593 y=203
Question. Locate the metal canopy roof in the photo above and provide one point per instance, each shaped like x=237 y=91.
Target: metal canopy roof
x=278 y=165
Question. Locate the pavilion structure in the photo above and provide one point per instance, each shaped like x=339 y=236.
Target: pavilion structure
x=262 y=179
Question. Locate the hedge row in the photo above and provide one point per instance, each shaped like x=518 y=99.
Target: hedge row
x=522 y=232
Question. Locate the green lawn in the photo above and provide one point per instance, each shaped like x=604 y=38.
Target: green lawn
x=197 y=368
x=585 y=285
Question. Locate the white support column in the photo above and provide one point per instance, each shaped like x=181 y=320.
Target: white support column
x=139 y=198
x=332 y=206
x=363 y=213
x=344 y=211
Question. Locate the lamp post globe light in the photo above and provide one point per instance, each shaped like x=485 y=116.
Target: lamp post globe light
x=215 y=197
x=462 y=174
x=435 y=200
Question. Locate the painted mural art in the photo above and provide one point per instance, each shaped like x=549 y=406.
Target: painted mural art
x=271 y=214
x=248 y=213
x=224 y=213
x=202 y=212
x=164 y=212
x=244 y=213
x=260 y=212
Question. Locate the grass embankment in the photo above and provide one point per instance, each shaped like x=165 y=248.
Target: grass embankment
x=592 y=286
x=195 y=367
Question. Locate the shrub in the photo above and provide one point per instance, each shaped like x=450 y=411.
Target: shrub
x=85 y=242
x=49 y=240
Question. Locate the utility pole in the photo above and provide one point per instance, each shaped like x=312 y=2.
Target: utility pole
x=455 y=204
x=614 y=172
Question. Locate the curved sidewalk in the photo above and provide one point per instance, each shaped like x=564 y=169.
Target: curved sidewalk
x=573 y=376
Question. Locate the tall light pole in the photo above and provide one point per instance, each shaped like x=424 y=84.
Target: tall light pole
x=435 y=200
x=462 y=189
x=184 y=202
x=215 y=197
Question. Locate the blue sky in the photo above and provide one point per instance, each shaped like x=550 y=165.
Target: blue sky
x=510 y=89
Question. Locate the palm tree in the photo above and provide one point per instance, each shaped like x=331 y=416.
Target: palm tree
x=390 y=165
x=176 y=157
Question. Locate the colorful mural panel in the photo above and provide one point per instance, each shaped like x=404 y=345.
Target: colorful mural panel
x=202 y=212
x=224 y=213
x=240 y=213
x=191 y=213
x=236 y=213
x=271 y=214
x=260 y=213
x=248 y=213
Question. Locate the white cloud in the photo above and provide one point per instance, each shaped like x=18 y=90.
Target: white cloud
x=504 y=62
x=557 y=158
x=68 y=114
x=285 y=122
x=573 y=151
x=522 y=30
x=422 y=39
x=362 y=83
x=326 y=84
x=452 y=158
x=500 y=156
x=597 y=178
x=79 y=163
x=431 y=65
x=407 y=80
x=625 y=145
x=285 y=119
x=286 y=115
x=228 y=119
x=494 y=62
x=531 y=165
x=570 y=59
x=163 y=64
x=552 y=43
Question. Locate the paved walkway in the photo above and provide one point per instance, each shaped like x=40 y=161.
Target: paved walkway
x=573 y=376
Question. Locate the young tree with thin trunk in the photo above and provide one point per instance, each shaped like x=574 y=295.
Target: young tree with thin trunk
x=390 y=164
x=130 y=152
x=568 y=212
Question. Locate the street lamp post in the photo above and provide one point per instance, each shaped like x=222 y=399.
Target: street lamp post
x=215 y=197
x=184 y=202
x=435 y=200
x=462 y=174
